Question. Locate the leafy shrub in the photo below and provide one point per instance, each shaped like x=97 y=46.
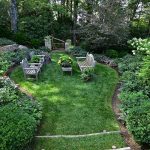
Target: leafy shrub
x=21 y=116
x=7 y=94
x=144 y=72
x=87 y=74
x=9 y=58
x=130 y=100
x=32 y=107
x=35 y=43
x=8 y=91
x=135 y=94
x=141 y=46
x=122 y=53
x=21 y=38
x=65 y=61
x=129 y=63
x=4 y=41
x=16 y=127
x=77 y=51
x=35 y=59
x=44 y=49
x=111 y=53
x=138 y=123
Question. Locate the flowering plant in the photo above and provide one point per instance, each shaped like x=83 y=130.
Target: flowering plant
x=65 y=61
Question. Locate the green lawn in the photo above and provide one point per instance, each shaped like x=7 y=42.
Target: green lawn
x=74 y=107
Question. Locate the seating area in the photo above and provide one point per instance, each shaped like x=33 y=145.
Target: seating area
x=72 y=106
x=86 y=62
x=32 y=69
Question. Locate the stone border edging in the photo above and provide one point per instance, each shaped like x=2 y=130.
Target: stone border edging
x=78 y=136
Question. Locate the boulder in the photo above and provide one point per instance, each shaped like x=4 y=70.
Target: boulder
x=9 y=47
x=22 y=47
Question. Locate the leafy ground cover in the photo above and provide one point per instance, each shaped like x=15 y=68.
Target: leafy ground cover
x=19 y=115
x=72 y=106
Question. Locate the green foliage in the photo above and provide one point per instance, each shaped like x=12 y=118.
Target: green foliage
x=122 y=53
x=138 y=122
x=21 y=38
x=4 y=41
x=9 y=58
x=88 y=74
x=139 y=27
x=36 y=19
x=145 y=70
x=111 y=53
x=77 y=51
x=135 y=94
x=19 y=116
x=7 y=92
x=32 y=107
x=129 y=63
x=141 y=46
x=131 y=100
x=17 y=127
x=36 y=43
x=4 y=18
x=35 y=59
x=65 y=61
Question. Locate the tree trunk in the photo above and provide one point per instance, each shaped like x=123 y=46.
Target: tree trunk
x=75 y=20
x=13 y=15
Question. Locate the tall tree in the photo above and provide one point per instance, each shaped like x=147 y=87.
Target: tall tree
x=14 y=15
x=75 y=16
x=107 y=25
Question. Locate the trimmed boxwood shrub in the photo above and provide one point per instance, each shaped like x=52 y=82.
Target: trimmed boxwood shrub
x=16 y=127
x=138 y=123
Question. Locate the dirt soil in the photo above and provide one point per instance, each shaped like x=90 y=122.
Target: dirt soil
x=126 y=135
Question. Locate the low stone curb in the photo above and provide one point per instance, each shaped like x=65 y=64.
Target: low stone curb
x=125 y=148
x=78 y=136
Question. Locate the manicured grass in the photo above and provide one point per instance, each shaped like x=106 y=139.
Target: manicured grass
x=91 y=143
x=72 y=106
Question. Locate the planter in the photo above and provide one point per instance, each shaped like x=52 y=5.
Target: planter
x=67 y=69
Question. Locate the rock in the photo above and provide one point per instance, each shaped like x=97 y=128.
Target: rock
x=22 y=47
x=104 y=59
x=9 y=47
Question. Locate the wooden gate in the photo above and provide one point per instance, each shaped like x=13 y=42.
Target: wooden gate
x=57 y=44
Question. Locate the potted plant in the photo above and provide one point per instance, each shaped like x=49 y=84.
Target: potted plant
x=65 y=61
x=35 y=59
